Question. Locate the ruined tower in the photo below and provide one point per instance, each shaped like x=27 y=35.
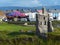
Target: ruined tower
x=43 y=24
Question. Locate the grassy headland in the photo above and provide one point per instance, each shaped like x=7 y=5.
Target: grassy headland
x=10 y=34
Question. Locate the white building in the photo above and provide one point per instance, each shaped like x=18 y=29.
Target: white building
x=51 y=16
x=58 y=17
x=2 y=16
x=54 y=14
x=32 y=16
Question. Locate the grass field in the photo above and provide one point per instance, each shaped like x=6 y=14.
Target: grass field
x=10 y=35
x=14 y=27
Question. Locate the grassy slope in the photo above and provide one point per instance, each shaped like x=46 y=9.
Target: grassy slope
x=13 y=27
x=55 y=25
x=53 y=39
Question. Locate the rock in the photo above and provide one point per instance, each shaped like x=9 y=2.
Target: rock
x=25 y=24
x=15 y=19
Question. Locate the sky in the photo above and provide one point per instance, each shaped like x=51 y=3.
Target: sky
x=29 y=3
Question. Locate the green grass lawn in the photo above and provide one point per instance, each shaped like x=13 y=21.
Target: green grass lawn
x=10 y=35
x=14 y=27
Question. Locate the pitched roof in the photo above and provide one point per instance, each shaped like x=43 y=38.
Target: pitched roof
x=2 y=13
x=54 y=11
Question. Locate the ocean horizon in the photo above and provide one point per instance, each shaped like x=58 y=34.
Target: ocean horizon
x=32 y=8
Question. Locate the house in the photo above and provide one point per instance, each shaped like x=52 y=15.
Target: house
x=2 y=15
x=32 y=15
x=54 y=14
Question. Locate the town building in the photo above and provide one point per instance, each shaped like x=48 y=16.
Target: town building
x=32 y=15
x=2 y=15
x=54 y=14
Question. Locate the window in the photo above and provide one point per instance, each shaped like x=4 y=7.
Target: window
x=45 y=23
x=44 y=18
x=40 y=23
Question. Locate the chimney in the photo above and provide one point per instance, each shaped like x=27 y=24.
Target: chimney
x=43 y=10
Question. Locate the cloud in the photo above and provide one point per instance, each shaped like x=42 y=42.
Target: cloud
x=50 y=2
x=37 y=2
x=29 y=3
x=57 y=2
x=5 y=1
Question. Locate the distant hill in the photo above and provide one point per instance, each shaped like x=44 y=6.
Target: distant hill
x=13 y=7
x=50 y=7
x=39 y=7
x=53 y=7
